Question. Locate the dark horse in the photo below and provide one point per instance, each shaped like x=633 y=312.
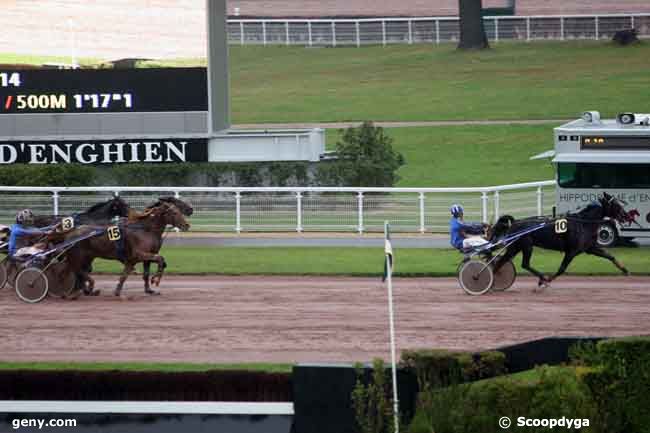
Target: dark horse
x=100 y=213
x=580 y=236
x=129 y=243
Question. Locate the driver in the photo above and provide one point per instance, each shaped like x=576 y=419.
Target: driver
x=22 y=230
x=464 y=235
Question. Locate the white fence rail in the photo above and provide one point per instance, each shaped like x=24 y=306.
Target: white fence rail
x=384 y=31
x=302 y=209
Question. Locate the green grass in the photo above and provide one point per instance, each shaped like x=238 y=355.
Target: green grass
x=361 y=261
x=513 y=80
x=162 y=367
x=542 y=80
x=470 y=156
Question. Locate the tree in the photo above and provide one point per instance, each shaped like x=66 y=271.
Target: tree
x=472 y=30
x=365 y=158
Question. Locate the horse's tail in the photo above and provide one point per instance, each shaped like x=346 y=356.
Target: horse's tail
x=501 y=227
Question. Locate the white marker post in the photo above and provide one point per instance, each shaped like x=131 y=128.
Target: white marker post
x=388 y=277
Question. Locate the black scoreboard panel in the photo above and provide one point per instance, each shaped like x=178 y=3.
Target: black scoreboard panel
x=615 y=143
x=56 y=91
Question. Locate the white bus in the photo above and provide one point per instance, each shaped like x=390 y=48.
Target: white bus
x=592 y=156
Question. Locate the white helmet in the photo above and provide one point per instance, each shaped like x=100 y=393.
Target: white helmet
x=25 y=216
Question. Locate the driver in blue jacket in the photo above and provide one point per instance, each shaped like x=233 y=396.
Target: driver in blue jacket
x=464 y=235
x=22 y=229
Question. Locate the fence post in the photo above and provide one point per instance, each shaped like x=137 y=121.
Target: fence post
x=496 y=29
x=360 y=212
x=238 y=212
x=410 y=32
x=286 y=28
x=596 y=23
x=484 y=207
x=55 y=202
x=241 y=33
x=264 y=32
x=383 y=33
x=422 y=229
x=333 y=34
x=437 y=32
x=309 y=31
x=528 y=29
x=632 y=21
x=496 y=205
x=540 y=202
x=299 y=211
x=358 y=34
x=561 y=28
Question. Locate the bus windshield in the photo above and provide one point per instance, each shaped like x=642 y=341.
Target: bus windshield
x=590 y=175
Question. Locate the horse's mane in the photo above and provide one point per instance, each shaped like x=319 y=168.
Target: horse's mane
x=98 y=206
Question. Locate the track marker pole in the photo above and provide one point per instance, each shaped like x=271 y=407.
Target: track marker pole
x=388 y=250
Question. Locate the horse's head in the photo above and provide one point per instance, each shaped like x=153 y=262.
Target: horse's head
x=168 y=214
x=615 y=209
x=184 y=207
x=501 y=227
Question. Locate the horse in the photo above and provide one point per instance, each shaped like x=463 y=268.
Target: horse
x=580 y=235
x=99 y=213
x=129 y=243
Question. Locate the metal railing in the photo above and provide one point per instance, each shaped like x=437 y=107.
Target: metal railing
x=384 y=31
x=305 y=209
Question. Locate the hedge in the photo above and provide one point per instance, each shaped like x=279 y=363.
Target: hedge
x=621 y=384
x=477 y=407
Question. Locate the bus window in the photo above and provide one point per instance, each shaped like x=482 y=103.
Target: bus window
x=621 y=176
x=567 y=174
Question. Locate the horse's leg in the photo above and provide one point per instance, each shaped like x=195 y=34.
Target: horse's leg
x=568 y=257
x=527 y=253
x=146 y=266
x=599 y=252
x=128 y=268
x=155 y=280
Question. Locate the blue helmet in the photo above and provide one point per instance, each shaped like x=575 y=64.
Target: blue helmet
x=456 y=210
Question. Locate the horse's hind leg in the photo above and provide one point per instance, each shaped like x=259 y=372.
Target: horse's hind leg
x=599 y=252
x=128 y=268
x=568 y=257
x=527 y=253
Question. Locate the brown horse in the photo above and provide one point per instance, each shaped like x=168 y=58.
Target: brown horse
x=129 y=242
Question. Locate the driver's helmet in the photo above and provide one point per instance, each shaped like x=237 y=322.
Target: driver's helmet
x=456 y=210
x=25 y=217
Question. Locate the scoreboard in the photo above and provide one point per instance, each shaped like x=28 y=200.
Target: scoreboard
x=103 y=90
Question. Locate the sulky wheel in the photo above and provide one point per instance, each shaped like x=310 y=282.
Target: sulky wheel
x=31 y=285
x=60 y=284
x=504 y=278
x=475 y=277
x=4 y=274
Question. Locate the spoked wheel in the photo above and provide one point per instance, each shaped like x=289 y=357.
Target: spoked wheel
x=61 y=284
x=31 y=285
x=4 y=274
x=505 y=277
x=476 y=277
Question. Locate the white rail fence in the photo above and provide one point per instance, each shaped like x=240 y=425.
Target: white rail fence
x=384 y=31
x=302 y=209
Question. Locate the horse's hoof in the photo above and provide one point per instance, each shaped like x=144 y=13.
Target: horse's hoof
x=152 y=292
x=117 y=293
x=95 y=292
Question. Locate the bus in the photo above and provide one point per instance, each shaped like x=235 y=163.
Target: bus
x=592 y=156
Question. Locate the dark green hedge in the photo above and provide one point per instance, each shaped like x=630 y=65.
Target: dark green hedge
x=621 y=384
x=477 y=407
x=436 y=368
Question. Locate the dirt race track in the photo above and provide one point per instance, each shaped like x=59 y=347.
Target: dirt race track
x=300 y=319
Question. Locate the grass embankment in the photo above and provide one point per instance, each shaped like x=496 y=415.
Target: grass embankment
x=361 y=261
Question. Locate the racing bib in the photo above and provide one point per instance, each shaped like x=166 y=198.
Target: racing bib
x=561 y=226
x=67 y=224
x=114 y=233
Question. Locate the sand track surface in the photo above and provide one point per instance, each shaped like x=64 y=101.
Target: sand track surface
x=305 y=319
